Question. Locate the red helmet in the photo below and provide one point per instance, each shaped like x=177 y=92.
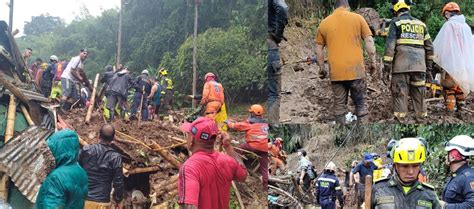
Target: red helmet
x=451 y=7
x=209 y=75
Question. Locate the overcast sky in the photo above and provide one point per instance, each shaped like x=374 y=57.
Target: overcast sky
x=66 y=9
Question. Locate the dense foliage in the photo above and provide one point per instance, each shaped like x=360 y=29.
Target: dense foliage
x=231 y=41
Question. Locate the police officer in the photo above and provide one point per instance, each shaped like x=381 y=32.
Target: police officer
x=408 y=54
x=459 y=190
x=403 y=190
x=328 y=188
x=167 y=92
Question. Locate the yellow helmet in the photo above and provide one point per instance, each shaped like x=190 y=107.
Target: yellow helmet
x=409 y=151
x=163 y=71
x=400 y=5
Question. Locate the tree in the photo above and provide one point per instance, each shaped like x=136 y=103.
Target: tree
x=43 y=24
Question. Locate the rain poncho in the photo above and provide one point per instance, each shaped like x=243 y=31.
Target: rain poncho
x=66 y=185
x=454 y=51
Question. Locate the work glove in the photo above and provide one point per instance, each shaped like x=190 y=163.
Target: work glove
x=387 y=70
x=322 y=72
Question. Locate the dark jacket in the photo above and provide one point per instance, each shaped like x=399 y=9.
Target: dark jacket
x=409 y=45
x=328 y=188
x=459 y=190
x=277 y=19
x=107 y=77
x=66 y=185
x=48 y=75
x=104 y=168
x=120 y=83
x=388 y=193
x=143 y=80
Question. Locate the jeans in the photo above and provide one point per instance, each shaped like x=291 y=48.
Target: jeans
x=136 y=103
x=273 y=81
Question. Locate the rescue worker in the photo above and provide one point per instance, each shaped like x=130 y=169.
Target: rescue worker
x=342 y=34
x=256 y=138
x=213 y=100
x=155 y=98
x=364 y=168
x=408 y=54
x=117 y=92
x=454 y=49
x=166 y=92
x=305 y=168
x=459 y=189
x=277 y=20
x=48 y=75
x=277 y=156
x=403 y=190
x=328 y=188
x=142 y=90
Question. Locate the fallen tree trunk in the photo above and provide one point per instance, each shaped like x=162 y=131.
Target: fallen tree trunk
x=141 y=170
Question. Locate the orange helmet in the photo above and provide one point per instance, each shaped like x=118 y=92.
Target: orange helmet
x=209 y=75
x=256 y=109
x=451 y=7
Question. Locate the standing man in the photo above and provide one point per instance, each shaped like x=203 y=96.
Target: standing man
x=328 y=188
x=408 y=54
x=256 y=138
x=364 y=168
x=142 y=90
x=155 y=98
x=70 y=77
x=277 y=20
x=459 y=189
x=66 y=185
x=48 y=75
x=117 y=92
x=403 y=190
x=212 y=95
x=103 y=165
x=454 y=50
x=342 y=33
x=305 y=168
x=206 y=177
x=34 y=68
x=167 y=92
x=26 y=55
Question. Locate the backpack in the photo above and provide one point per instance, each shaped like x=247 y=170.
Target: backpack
x=311 y=172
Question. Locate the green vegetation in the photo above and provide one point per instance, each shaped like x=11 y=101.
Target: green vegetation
x=230 y=43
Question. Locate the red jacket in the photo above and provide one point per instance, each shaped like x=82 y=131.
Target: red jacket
x=256 y=134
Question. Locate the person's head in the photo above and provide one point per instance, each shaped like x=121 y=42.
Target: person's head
x=330 y=167
x=163 y=72
x=145 y=72
x=401 y=7
x=209 y=77
x=84 y=53
x=450 y=9
x=107 y=133
x=201 y=134
x=368 y=158
x=28 y=52
x=38 y=61
x=459 y=149
x=256 y=111
x=53 y=59
x=108 y=68
x=342 y=3
x=408 y=155
x=301 y=153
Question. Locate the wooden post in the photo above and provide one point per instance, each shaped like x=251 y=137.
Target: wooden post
x=4 y=186
x=140 y=109
x=368 y=191
x=27 y=115
x=10 y=129
x=196 y=6
x=10 y=20
x=92 y=102
x=119 y=38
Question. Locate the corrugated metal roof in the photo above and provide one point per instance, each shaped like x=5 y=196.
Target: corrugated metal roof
x=22 y=159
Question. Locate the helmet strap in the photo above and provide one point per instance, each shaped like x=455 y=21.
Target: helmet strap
x=407 y=184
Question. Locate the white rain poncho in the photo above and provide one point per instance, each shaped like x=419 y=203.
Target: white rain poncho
x=454 y=51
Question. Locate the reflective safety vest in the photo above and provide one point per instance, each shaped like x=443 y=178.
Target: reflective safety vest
x=212 y=91
x=256 y=134
x=167 y=84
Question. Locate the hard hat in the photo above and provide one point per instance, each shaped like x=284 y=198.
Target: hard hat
x=108 y=68
x=209 y=75
x=278 y=141
x=451 y=7
x=375 y=155
x=390 y=146
x=401 y=4
x=145 y=72
x=44 y=65
x=54 y=58
x=462 y=143
x=163 y=71
x=256 y=109
x=409 y=151
x=331 y=166
x=368 y=157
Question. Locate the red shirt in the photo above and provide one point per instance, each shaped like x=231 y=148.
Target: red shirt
x=206 y=177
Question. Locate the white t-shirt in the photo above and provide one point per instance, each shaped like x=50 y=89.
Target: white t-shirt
x=74 y=63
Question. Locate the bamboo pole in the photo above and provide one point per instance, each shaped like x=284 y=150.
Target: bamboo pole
x=237 y=193
x=127 y=173
x=27 y=115
x=368 y=191
x=91 y=106
x=10 y=119
x=4 y=186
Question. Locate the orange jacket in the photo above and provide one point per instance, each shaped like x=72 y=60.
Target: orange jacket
x=274 y=151
x=212 y=91
x=256 y=134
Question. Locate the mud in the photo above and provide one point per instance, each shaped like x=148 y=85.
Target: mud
x=308 y=99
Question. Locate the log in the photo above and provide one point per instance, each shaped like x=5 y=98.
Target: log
x=237 y=193
x=141 y=170
x=279 y=181
x=164 y=187
x=10 y=129
x=4 y=186
x=434 y=100
x=27 y=115
x=82 y=142
x=91 y=106
x=368 y=192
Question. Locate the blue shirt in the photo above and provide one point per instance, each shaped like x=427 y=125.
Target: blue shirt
x=459 y=190
x=364 y=171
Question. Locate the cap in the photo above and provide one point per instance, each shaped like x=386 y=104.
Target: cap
x=53 y=57
x=368 y=157
x=203 y=129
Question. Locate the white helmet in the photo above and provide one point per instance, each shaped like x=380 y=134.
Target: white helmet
x=331 y=166
x=145 y=72
x=54 y=58
x=462 y=143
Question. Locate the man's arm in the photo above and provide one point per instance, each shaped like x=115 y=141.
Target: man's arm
x=281 y=13
x=188 y=187
x=370 y=48
x=337 y=187
x=205 y=93
x=118 y=182
x=467 y=188
x=152 y=92
x=239 y=126
x=428 y=45
x=390 y=44
x=320 y=57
